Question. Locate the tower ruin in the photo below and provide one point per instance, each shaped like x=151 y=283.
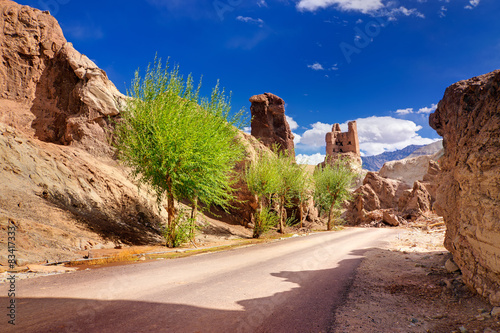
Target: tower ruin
x=338 y=142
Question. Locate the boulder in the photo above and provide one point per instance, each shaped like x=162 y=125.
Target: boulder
x=269 y=123
x=387 y=190
x=379 y=194
x=376 y=193
x=390 y=218
x=416 y=202
x=468 y=196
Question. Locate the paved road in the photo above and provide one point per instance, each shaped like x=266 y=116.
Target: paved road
x=292 y=285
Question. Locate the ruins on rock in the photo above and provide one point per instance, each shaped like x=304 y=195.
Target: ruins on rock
x=342 y=142
x=344 y=145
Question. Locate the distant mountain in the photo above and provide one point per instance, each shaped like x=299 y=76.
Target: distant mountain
x=374 y=163
x=428 y=149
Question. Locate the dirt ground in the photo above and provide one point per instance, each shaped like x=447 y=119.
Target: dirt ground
x=405 y=287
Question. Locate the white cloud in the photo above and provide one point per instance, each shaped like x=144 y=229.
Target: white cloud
x=245 y=19
x=442 y=11
x=262 y=3
x=247 y=130
x=404 y=12
x=376 y=135
x=403 y=112
x=315 y=137
x=314 y=159
x=359 y=21
x=380 y=134
x=473 y=4
x=296 y=138
x=316 y=66
x=427 y=109
x=293 y=124
x=363 y=6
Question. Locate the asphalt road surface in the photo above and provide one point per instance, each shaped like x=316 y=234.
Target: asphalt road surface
x=293 y=285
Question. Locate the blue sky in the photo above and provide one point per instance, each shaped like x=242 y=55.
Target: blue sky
x=383 y=63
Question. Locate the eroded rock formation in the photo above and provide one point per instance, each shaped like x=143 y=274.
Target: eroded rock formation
x=54 y=109
x=269 y=123
x=47 y=88
x=390 y=200
x=376 y=193
x=468 y=196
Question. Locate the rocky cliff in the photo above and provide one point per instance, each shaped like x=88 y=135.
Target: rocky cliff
x=47 y=88
x=468 y=196
x=61 y=186
x=269 y=123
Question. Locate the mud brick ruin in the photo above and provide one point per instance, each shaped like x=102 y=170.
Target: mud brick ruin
x=338 y=142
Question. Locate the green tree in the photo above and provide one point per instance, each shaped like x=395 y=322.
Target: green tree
x=183 y=146
x=289 y=182
x=302 y=190
x=262 y=177
x=332 y=183
x=275 y=177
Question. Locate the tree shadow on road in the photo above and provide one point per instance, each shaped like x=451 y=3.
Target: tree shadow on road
x=308 y=307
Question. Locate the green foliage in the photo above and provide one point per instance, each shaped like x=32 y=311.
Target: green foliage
x=181 y=145
x=276 y=177
x=266 y=219
x=262 y=176
x=331 y=186
x=291 y=220
x=183 y=230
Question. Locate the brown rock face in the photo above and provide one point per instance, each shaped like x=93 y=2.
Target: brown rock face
x=389 y=200
x=376 y=193
x=468 y=196
x=47 y=88
x=269 y=123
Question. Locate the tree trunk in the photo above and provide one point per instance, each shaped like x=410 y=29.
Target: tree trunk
x=300 y=213
x=170 y=214
x=171 y=219
x=282 y=214
x=330 y=214
x=194 y=212
x=257 y=221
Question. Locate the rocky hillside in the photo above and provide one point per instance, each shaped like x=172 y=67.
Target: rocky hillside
x=410 y=169
x=61 y=185
x=430 y=149
x=468 y=196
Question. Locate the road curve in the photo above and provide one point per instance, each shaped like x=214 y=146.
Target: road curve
x=292 y=285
